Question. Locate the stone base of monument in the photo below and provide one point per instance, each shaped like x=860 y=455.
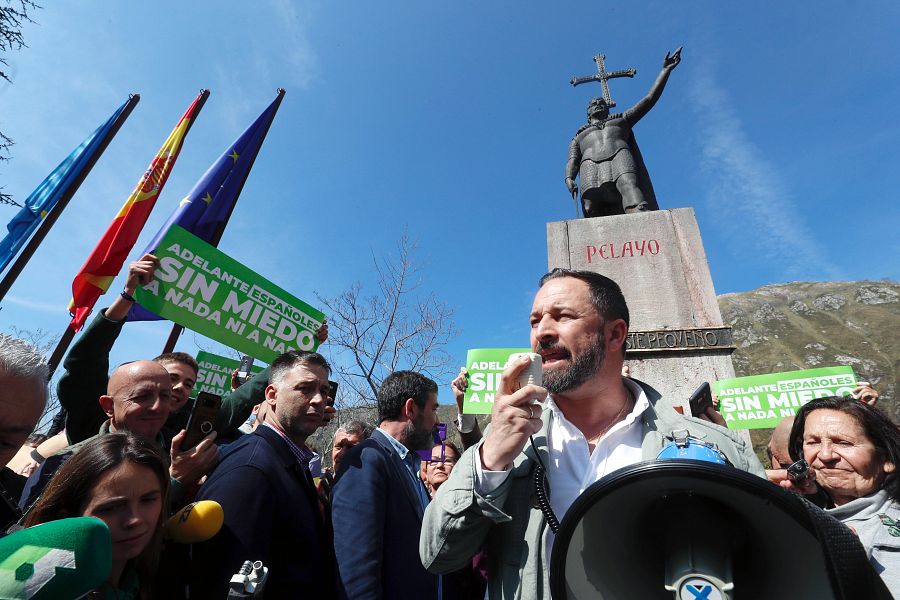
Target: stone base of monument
x=677 y=339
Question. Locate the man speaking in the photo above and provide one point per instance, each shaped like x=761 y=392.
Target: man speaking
x=592 y=423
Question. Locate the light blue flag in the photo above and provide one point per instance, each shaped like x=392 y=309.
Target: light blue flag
x=52 y=188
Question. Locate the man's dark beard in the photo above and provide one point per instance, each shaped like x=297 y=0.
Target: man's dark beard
x=417 y=438
x=581 y=368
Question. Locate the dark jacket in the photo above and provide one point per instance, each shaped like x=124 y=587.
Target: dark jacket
x=377 y=517
x=272 y=514
x=11 y=485
x=85 y=378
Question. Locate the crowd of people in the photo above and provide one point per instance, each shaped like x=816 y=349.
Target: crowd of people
x=398 y=514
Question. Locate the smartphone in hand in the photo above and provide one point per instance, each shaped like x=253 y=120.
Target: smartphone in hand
x=202 y=420
x=701 y=399
x=244 y=369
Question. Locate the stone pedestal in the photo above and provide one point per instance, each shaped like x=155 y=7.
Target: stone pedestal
x=677 y=339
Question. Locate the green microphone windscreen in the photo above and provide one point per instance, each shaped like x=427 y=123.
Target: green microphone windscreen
x=59 y=560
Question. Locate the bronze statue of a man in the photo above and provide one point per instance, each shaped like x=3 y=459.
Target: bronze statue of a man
x=605 y=156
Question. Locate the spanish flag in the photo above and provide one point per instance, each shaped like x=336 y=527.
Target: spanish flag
x=106 y=260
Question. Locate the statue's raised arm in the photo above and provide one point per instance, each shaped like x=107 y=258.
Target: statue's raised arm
x=604 y=155
x=636 y=112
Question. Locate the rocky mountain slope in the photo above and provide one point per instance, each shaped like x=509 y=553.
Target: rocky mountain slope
x=802 y=325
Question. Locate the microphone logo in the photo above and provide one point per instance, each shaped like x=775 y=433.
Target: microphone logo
x=185 y=513
x=30 y=568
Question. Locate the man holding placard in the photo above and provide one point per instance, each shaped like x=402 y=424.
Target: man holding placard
x=87 y=364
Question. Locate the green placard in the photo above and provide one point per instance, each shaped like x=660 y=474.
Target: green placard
x=204 y=290
x=762 y=401
x=214 y=373
x=485 y=366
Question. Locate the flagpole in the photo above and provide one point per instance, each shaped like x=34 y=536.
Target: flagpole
x=48 y=221
x=176 y=328
x=60 y=350
x=69 y=333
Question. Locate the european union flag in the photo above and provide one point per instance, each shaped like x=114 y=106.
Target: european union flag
x=52 y=188
x=205 y=210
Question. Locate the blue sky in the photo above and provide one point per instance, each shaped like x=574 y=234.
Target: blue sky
x=452 y=121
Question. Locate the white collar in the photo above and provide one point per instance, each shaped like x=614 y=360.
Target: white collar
x=641 y=404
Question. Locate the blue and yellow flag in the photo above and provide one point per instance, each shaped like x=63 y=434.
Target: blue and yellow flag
x=205 y=210
x=52 y=188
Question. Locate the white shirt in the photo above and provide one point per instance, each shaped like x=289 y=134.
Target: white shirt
x=573 y=467
x=465 y=423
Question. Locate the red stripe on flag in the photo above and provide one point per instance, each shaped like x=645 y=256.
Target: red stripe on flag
x=109 y=255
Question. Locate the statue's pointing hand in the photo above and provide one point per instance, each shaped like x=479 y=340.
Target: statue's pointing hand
x=671 y=61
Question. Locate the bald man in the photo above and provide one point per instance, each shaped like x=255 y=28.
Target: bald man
x=777 y=448
x=138 y=399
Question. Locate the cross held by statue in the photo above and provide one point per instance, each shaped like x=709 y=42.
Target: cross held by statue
x=603 y=76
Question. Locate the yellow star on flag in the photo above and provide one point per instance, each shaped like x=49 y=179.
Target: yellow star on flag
x=234 y=155
x=186 y=200
x=207 y=198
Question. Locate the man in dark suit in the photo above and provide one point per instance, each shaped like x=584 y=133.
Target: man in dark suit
x=378 y=500
x=263 y=483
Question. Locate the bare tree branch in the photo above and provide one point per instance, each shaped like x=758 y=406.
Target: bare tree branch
x=13 y=14
x=396 y=328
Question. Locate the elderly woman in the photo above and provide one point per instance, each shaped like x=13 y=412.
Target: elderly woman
x=438 y=469
x=854 y=450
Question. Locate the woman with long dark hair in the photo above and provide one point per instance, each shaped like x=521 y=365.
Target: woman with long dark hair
x=122 y=480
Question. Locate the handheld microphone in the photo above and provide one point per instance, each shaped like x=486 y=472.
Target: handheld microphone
x=59 y=560
x=196 y=522
x=534 y=373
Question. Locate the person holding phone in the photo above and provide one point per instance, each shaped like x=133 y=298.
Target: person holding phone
x=587 y=421
x=87 y=365
x=854 y=449
x=86 y=380
x=138 y=400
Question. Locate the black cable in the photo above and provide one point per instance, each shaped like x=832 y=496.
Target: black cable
x=540 y=491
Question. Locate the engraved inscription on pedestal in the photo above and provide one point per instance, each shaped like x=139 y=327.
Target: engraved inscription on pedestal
x=679 y=340
x=657 y=258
